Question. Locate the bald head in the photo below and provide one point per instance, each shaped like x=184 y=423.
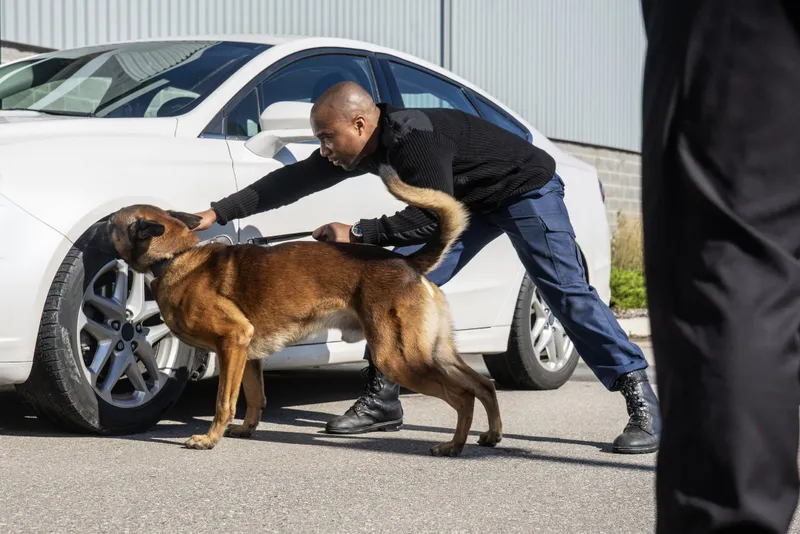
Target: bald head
x=344 y=119
x=345 y=100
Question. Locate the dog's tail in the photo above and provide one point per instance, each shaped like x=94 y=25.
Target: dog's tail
x=453 y=217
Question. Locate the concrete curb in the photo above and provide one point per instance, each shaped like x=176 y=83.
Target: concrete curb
x=636 y=327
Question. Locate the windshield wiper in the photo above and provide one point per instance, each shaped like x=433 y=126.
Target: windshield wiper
x=52 y=112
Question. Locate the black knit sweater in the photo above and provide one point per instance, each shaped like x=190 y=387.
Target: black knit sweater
x=477 y=162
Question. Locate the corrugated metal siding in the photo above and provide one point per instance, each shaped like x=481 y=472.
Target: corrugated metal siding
x=408 y=25
x=573 y=68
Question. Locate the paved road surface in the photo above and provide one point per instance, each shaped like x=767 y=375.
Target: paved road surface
x=552 y=473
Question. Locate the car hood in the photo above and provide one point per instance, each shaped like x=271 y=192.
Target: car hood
x=27 y=126
x=7 y=117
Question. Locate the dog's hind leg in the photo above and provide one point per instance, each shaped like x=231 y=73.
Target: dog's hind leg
x=416 y=372
x=253 y=385
x=460 y=378
x=232 y=356
x=432 y=382
x=482 y=388
x=464 y=404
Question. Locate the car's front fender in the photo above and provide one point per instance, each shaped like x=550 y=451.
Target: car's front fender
x=30 y=255
x=70 y=183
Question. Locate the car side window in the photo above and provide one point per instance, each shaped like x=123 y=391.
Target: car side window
x=306 y=79
x=495 y=115
x=422 y=90
x=302 y=81
x=242 y=121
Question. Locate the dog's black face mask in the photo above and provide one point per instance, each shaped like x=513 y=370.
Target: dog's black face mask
x=104 y=237
x=100 y=238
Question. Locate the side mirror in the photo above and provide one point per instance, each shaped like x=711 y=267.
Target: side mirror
x=281 y=123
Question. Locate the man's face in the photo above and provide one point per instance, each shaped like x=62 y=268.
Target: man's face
x=341 y=140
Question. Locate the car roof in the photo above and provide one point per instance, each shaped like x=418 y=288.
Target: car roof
x=255 y=38
x=277 y=40
x=305 y=41
x=298 y=42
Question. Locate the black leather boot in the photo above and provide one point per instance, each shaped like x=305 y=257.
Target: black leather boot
x=378 y=408
x=643 y=431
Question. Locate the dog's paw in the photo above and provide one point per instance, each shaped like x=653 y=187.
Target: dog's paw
x=240 y=431
x=446 y=449
x=200 y=442
x=490 y=438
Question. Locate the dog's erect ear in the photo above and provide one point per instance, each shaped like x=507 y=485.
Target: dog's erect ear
x=191 y=220
x=146 y=229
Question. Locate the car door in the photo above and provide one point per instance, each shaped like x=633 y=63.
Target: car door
x=303 y=78
x=479 y=290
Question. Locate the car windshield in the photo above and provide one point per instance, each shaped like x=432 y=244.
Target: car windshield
x=150 y=79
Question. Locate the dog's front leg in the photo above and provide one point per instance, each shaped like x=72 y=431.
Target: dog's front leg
x=253 y=385
x=232 y=355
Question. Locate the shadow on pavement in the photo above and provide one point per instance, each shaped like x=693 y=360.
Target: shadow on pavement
x=294 y=388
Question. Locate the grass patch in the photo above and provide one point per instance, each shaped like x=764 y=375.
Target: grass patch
x=627 y=265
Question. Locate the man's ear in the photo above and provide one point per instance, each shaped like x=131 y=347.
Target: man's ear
x=146 y=229
x=191 y=220
x=360 y=123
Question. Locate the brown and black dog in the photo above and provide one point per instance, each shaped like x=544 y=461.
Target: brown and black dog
x=245 y=302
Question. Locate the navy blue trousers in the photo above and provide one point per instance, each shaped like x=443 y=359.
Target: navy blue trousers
x=539 y=228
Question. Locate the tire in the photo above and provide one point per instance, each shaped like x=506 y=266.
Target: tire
x=60 y=389
x=521 y=366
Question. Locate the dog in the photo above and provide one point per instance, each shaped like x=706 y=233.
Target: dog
x=245 y=302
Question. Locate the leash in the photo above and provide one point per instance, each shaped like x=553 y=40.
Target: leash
x=266 y=240
x=160 y=266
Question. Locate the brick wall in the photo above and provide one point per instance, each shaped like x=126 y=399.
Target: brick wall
x=621 y=176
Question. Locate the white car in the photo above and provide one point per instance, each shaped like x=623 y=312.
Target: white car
x=182 y=122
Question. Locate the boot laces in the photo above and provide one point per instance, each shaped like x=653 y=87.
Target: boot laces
x=372 y=386
x=635 y=403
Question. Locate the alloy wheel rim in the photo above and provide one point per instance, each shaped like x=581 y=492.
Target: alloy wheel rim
x=551 y=345
x=127 y=351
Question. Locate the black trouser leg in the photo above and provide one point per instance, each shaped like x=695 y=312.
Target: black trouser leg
x=721 y=203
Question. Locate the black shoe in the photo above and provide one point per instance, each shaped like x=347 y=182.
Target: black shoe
x=643 y=431
x=378 y=408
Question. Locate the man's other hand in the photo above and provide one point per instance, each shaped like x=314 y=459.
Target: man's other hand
x=336 y=232
x=209 y=218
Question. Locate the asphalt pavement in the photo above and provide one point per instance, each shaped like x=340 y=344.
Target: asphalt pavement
x=552 y=472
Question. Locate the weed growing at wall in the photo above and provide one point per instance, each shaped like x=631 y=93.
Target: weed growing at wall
x=627 y=265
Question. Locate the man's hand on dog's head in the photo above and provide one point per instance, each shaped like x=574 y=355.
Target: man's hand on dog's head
x=334 y=232
x=209 y=218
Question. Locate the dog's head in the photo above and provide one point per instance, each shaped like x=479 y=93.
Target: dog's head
x=142 y=235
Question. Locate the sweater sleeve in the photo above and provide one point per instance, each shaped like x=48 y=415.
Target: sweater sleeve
x=281 y=187
x=423 y=159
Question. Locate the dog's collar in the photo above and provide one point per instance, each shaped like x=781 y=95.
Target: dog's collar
x=159 y=267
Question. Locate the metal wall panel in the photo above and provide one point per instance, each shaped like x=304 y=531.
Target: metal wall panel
x=409 y=25
x=573 y=68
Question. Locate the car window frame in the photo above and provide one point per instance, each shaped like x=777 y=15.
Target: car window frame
x=219 y=121
x=394 y=88
x=475 y=97
x=397 y=98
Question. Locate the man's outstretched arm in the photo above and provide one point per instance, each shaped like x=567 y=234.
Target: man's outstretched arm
x=278 y=188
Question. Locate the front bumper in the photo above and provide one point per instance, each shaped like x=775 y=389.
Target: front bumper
x=30 y=254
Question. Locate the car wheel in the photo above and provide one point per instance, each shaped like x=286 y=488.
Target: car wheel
x=104 y=360
x=540 y=355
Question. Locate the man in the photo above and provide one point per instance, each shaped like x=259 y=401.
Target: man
x=721 y=210
x=508 y=185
